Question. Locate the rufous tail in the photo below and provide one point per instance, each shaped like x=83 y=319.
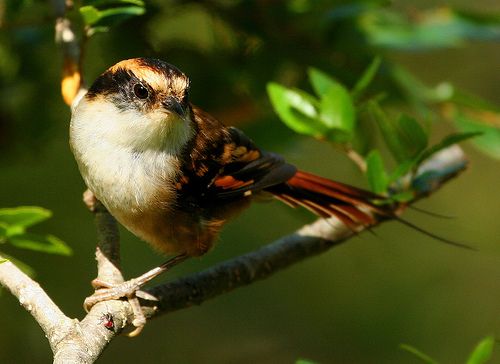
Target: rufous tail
x=353 y=206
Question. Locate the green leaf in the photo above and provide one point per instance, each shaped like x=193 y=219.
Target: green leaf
x=100 y=3
x=320 y=81
x=388 y=129
x=363 y=139
x=405 y=138
x=375 y=172
x=405 y=196
x=3 y=232
x=336 y=106
x=23 y=216
x=482 y=352
x=15 y=230
x=366 y=78
x=115 y=15
x=413 y=135
x=42 y=243
x=305 y=361
x=337 y=112
x=402 y=169
x=108 y=17
x=297 y=109
x=489 y=141
x=446 y=142
x=3 y=260
x=90 y=14
x=417 y=353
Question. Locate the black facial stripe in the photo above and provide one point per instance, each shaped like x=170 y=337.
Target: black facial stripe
x=119 y=86
x=110 y=83
x=119 y=83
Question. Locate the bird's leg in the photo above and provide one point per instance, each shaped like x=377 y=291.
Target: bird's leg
x=106 y=291
x=131 y=290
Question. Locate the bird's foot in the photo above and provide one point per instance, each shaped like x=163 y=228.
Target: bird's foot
x=131 y=289
x=105 y=291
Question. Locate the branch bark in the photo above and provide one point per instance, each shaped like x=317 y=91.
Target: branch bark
x=33 y=298
x=108 y=246
x=307 y=242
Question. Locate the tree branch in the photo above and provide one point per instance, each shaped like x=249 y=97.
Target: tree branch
x=108 y=246
x=34 y=300
x=72 y=49
x=309 y=241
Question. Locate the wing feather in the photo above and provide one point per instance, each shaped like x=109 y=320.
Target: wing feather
x=224 y=164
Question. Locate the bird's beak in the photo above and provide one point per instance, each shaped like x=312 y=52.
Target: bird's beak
x=173 y=105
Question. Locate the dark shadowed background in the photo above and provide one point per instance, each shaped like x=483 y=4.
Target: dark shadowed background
x=354 y=304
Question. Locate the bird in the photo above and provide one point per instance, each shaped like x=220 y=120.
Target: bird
x=173 y=174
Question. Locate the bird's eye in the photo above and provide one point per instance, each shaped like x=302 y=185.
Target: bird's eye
x=141 y=92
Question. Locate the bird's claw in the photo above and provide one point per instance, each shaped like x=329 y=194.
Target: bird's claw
x=106 y=291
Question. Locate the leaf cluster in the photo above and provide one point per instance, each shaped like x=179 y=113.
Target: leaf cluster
x=332 y=114
x=101 y=15
x=14 y=223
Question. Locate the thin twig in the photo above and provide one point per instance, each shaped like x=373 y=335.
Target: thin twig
x=108 y=247
x=356 y=158
x=65 y=37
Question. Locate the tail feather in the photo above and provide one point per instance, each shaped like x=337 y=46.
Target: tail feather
x=338 y=186
x=353 y=206
x=326 y=198
x=351 y=195
x=313 y=203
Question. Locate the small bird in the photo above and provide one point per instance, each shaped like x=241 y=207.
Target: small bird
x=174 y=175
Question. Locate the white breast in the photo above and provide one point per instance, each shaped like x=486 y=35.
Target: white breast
x=127 y=180
x=122 y=159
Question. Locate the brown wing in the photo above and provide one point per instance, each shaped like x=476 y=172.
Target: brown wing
x=222 y=163
x=238 y=179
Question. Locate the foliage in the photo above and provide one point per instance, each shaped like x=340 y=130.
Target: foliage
x=305 y=361
x=481 y=354
x=13 y=225
x=331 y=116
x=244 y=53
x=100 y=15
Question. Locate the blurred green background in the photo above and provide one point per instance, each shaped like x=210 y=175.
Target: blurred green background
x=354 y=304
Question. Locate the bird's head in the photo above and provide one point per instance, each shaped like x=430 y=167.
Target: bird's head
x=138 y=103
